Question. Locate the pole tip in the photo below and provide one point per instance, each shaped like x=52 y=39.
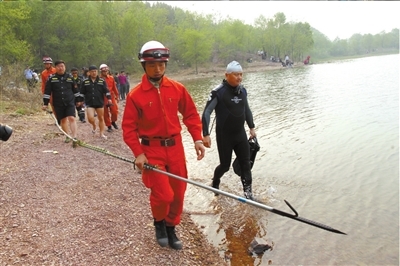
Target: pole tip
x=339 y=232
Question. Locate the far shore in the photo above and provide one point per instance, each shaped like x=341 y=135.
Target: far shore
x=219 y=71
x=256 y=66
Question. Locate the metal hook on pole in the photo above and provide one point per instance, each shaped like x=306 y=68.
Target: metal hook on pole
x=247 y=201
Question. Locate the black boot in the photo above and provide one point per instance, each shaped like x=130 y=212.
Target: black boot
x=161 y=233
x=109 y=129
x=173 y=240
x=248 y=193
x=81 y=114
x=246 y=182
x=215 y=184
x=114 y=125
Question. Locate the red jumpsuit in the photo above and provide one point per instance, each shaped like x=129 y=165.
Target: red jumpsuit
x=45 y=75
x=151 y=114
x=113 y=110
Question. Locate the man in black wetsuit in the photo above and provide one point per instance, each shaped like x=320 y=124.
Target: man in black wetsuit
x=229 y=100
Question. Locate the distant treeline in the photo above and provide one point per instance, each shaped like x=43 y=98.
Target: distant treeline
x=89 y=32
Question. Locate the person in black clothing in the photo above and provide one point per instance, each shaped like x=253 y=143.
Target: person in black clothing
x=85 y=73
x=117 y=83
x=78 y=80
x=65 y=97
x=229 y=100
x=94 y=89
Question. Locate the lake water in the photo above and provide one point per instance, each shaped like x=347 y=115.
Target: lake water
x=329 y=137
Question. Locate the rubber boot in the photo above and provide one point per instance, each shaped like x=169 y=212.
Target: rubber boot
x=248 y=193
x=173 y=240
x=215 y=184
x=161 y=233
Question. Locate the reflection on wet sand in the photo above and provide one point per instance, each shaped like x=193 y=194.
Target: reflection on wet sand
x=233 y=227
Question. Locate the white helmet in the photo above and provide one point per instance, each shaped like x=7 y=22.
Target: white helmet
x=153 y=51
x=47 y=59
x=103 y=66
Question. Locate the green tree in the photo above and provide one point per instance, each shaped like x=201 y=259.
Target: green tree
x=112 y=32
x=194 y=42
x=280 y=32
x=231 y=39
x=322 y=45
x=13 y=48
x=262 y=39
x=197 y=47
x=393 y=39
x=137 y=28
x=355 y=44
x=301 y=40
x=339 y=47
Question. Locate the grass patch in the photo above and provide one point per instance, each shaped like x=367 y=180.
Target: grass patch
x=21 y=111
x=22 y=103
x=14 y=96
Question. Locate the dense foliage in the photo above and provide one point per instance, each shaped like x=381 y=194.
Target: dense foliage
x=85 y=33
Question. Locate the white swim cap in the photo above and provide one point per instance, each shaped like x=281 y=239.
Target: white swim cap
x=233 y=66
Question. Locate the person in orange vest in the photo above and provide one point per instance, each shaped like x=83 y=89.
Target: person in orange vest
x=46 y=73
x=152 y=130
x=110 y=111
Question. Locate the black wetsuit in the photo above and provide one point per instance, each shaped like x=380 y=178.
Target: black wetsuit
x=232 y=110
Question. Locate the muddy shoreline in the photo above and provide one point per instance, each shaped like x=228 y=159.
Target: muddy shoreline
x=71 y=206
x=61 y=205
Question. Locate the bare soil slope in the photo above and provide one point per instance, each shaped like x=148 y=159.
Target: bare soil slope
x=61 y=205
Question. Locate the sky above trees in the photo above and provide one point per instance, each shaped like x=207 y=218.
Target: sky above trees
x=333 y=18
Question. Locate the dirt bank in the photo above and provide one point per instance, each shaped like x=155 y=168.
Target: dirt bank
x=73 y=206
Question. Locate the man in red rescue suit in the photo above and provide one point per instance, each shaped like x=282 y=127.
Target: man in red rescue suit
x=152 y=129
x=46 y=73
x=110 y=110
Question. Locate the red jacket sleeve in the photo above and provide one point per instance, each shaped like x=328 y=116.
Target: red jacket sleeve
x=130 y=126
x=191 y=117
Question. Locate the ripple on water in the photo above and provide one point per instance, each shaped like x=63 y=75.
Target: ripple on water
x=329 y=137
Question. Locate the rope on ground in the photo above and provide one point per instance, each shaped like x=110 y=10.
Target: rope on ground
x=76 y=142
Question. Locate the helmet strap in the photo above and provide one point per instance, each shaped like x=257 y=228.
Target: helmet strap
x=156 y=79
x=150 y=78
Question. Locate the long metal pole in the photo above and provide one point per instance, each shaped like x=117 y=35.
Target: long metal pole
x=247 y=201
x=241 y=199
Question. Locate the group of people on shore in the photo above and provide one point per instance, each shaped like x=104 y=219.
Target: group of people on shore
x=89 y=94
x=151 y=125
